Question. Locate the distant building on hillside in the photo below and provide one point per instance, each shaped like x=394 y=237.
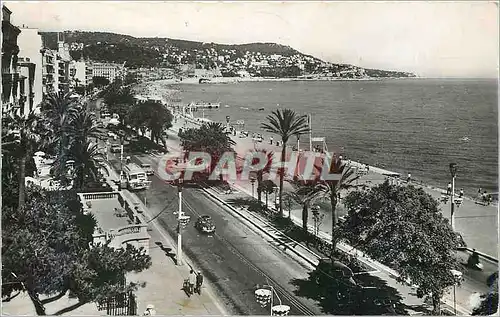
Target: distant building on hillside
x=110 y=71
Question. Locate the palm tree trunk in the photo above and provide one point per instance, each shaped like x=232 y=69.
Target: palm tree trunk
x=259 y=188
x=282 y=176
x=22 y=187
x=333 y=201
x=305 y=214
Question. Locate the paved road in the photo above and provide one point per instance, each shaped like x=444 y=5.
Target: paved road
x=236 y=258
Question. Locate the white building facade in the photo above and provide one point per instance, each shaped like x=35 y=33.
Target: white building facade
x=30 y=50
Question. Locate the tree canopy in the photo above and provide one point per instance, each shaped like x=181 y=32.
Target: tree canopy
x=403 y=227
x=46 y=250
x=210 y=138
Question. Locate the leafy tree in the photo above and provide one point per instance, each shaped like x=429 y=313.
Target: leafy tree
x=402 y=227
x=210 y=138
x=285 y=123
x=151 y=115
x=45 y=251
x=120 y=100
x=489 y=301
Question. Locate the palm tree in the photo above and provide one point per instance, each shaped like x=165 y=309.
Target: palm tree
x=59 y=111
x=302 y=195
x=84 y=126
x=89 y=163
x=331 y=188
x=260 y=173
x=285 y=123
x=21 y=140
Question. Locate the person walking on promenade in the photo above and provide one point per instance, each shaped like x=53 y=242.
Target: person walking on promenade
x=271 y=140
x=448 y=189
x=199 y=282
x=192 y=281
x=409 y=178
x=150 y=311
x=461 y=195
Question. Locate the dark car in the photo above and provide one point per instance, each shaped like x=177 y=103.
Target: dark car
x=205 y=224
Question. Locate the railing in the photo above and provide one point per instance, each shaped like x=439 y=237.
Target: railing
x=101 y=195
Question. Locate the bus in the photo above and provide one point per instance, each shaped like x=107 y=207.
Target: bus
x=135 y=177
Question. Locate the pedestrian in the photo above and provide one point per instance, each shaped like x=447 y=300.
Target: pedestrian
x=150 y=310
x=409 y=178
x=192 y=281
x=199 y=282
x=271 y=140
x=461 y=193
x=448 y=189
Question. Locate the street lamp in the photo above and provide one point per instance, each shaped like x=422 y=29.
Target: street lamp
x=182 y=219
x=457 y=276
x=252 y=180
x=264 y=296
x=453 y=172
x=275 y=188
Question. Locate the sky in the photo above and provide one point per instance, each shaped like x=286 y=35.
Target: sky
x=431 y=39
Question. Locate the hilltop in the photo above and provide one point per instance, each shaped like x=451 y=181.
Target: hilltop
x=257 y=59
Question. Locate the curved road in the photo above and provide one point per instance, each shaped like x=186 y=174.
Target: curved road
x=236 y=258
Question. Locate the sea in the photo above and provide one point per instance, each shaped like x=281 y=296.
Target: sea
x=416 y=126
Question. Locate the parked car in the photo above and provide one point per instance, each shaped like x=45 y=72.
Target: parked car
x=205 y=224
x=148 y=169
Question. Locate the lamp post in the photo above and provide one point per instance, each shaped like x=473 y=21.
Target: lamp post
x=265 y=295
x=121 y=159
x=457 y=276
x=453 y=172
x=275 y=188
x=182 y=219
x=252 y=180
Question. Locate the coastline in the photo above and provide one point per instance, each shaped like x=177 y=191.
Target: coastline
x=234 y=80
x=246 y=144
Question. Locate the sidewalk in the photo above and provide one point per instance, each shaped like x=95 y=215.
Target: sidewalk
x=164 y=279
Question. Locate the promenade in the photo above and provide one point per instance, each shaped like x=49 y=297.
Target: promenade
x=470 y=286
x=478 y=224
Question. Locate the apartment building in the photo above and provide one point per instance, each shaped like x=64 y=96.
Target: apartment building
x=48 y=72
x=26 y=85
x=10 y=50
x=30 y=50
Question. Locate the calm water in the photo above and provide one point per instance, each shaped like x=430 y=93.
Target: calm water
x=416 y=125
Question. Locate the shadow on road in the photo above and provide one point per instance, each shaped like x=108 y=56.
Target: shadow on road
x=168 y=252
x=372 y=296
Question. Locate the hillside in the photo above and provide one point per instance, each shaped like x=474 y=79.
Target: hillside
x=258 y=59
